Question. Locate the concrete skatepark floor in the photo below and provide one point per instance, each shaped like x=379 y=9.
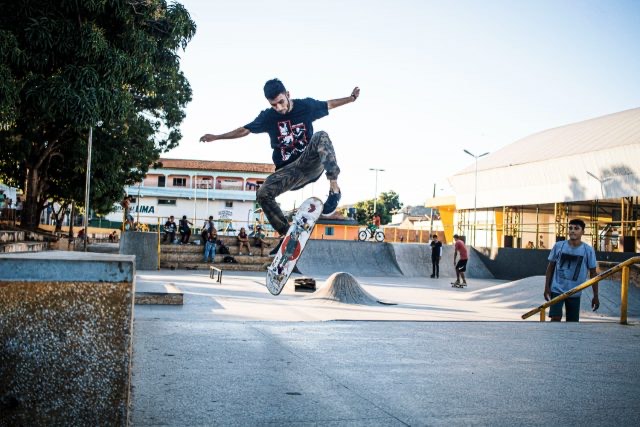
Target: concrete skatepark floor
x=235 y=355
x=243 y=296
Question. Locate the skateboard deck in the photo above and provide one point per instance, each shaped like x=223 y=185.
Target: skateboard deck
x=293 y=244
x=458 y=285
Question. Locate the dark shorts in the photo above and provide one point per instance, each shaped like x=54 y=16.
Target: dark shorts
x=572 y=308
x=461 y=266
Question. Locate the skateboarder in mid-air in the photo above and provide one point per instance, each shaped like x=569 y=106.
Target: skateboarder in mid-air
x=299 y=154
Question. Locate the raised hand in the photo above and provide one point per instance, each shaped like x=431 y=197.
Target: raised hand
x=208 y=137
x=355 y=93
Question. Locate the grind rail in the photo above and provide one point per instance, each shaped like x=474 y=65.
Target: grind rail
x=624 y=291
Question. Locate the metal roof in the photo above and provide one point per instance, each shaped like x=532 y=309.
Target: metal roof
x=214 y=165
x=593 y=159
x=600 y=133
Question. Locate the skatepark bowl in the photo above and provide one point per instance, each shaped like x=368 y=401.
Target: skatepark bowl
x=235 y=355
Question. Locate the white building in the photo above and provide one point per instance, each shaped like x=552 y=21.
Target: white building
x=197 y=189
x=525 y=193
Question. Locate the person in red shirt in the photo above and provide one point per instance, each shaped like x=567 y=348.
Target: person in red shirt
x=376 y=220
x=461 y=265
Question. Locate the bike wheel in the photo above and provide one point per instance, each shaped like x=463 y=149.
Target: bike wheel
x=362 y=235
x=379 y=236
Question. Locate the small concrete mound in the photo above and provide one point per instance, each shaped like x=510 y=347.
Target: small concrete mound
x=344 y=288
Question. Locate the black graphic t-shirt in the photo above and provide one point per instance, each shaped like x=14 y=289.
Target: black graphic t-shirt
x=291 y=132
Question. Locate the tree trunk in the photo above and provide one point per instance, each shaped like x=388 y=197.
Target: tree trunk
x=59 y=216
x=72 y=218
x=31 y=208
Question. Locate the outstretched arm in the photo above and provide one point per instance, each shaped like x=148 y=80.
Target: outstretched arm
x=355 y=93
x=237 y=133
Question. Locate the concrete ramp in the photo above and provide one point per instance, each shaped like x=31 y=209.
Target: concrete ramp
x=414 y=260
x=325 y=257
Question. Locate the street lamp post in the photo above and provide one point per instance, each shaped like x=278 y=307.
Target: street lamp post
x=431 y=226
x=375 y=196
x=601 y=181
x=87 y=185
x=475 y=191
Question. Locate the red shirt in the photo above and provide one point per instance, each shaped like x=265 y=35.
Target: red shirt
x=460 y=247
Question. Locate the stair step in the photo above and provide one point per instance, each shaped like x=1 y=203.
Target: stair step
x=197 y=257
x=16 y=247
x=202 y=266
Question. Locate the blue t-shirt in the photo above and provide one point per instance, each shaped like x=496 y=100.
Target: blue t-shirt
x=291 y=132
x=572 y=266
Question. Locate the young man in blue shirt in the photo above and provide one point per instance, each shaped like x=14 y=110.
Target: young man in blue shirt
x=299 y=154
x=570 y=261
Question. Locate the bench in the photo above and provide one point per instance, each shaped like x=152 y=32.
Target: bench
x=212 y=273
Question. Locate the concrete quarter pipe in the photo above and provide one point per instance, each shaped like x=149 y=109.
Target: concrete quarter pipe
x=369 y=259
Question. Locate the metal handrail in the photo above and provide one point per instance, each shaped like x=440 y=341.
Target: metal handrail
x=624 y=292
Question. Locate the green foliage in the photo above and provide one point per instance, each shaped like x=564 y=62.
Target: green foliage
x=386 y=205
x=67 y=65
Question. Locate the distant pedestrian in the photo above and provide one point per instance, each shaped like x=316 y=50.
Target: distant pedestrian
x=170 y=229
x=541 y=243
x=569 y=263
x=185 y=230
x=436 y=256
x=243 y=240
x=376 y=220
x=461 y=265
x=126 y=210
x=259 y=240
x=210 y=248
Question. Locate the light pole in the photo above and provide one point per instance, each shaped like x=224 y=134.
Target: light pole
x=87 y=184
x=601 y=181
x=475 y=191
x=375 y=196
x=138 y=204
x=431 y=226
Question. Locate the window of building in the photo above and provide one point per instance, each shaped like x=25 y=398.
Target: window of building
x=133 y=200
x=167 y=202
x=329 y=231
x=179 y=182
x=162 y=181
x=228 y=204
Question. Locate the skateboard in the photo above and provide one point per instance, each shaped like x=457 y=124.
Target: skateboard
x=458 y=285
x=293 y=244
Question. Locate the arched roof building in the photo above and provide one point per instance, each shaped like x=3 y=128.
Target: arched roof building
x=527 y=191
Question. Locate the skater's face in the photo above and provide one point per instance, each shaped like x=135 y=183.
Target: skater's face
x=575 y=232
x=281 y=103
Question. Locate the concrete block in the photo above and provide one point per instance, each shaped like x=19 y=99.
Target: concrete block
x=143 y=245
x=170 y=296
x=66 y=334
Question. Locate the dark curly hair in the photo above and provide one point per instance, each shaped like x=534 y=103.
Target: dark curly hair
x=273 y=88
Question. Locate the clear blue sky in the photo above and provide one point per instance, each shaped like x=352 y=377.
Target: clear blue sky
x=436 y=77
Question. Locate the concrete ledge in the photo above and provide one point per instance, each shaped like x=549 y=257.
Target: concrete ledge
x=65 y=338
x=172 y=296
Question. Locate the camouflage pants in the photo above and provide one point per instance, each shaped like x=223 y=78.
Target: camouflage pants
x=317 y=157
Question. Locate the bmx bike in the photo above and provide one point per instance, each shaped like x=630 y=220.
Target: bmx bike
x=367 y=233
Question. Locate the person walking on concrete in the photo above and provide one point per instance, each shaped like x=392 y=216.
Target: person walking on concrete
x=569 y=263
x=436 y=256
x=300 y=155
x=461 y=265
